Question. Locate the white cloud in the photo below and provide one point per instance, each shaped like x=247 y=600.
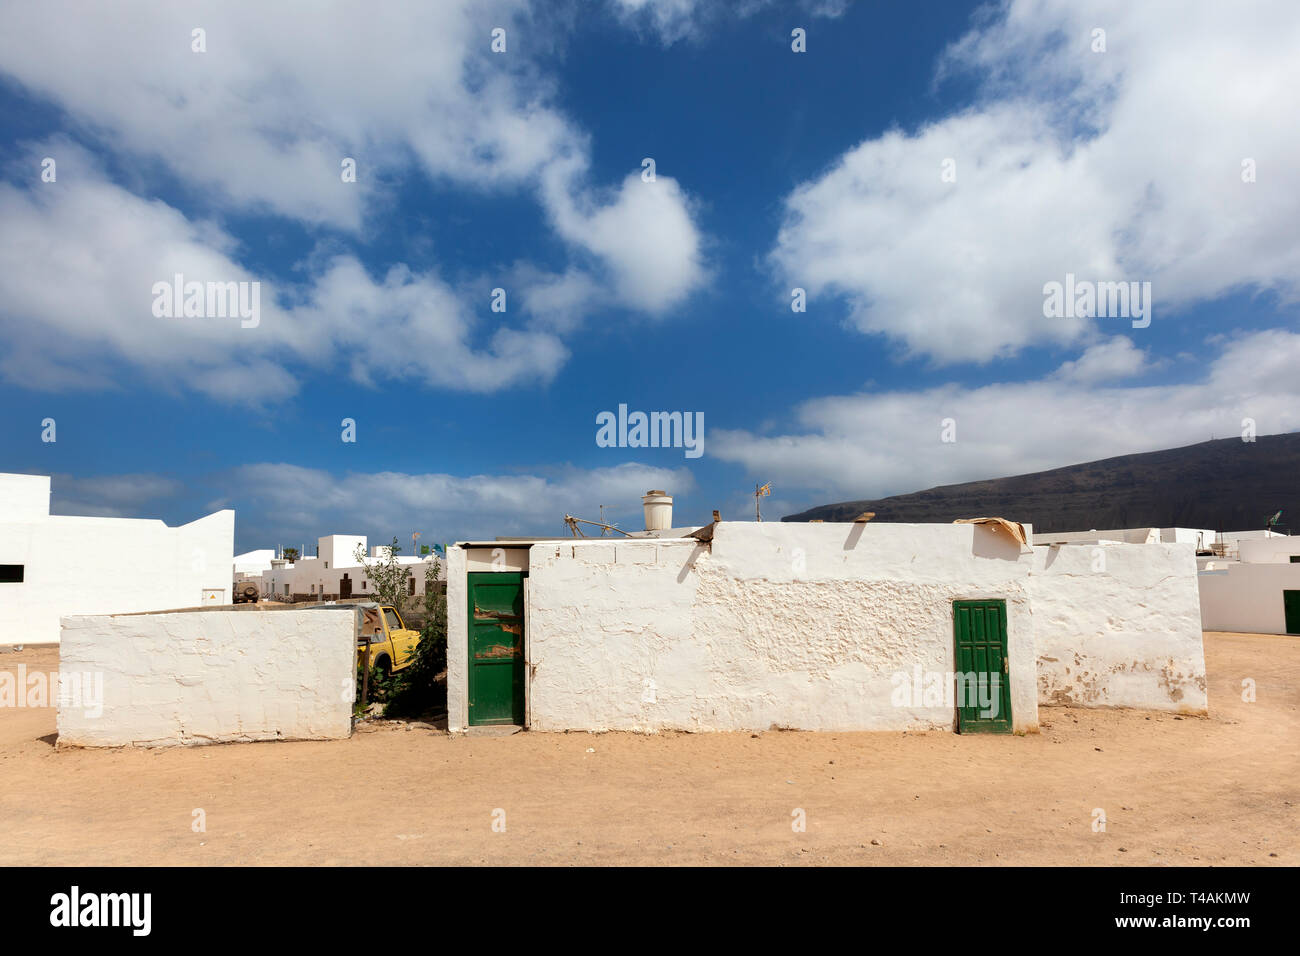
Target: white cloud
x=1117 y=165
x=285 y=91
x=874 y=445
x=674 y=20
x=78 y=261
x=643 y=235
x=290 y=500
x=260 y=122
x=1115 y=358
x=110 y=496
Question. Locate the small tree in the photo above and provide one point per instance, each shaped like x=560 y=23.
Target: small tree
x=386 y=576
x=417 y=688
x=290 y=554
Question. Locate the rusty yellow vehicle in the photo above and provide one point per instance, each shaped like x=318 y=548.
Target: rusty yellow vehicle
x=392 y=643
x=381 y=628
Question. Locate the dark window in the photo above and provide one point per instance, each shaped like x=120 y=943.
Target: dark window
x=1295 y=559
x=11 y=574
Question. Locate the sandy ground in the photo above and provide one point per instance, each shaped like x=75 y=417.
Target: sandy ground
x=1200 y=791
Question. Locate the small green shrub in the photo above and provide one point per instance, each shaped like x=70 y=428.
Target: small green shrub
x=419 y=689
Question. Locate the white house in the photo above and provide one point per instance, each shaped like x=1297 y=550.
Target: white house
x=818 y=626
x=253 y=562
x=1249 y=583
x=54 y=565
x=1258 y=593
x=332 y=573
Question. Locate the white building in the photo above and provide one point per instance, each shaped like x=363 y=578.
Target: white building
x=1257 y=593
x=253 y=562
x=332 y=573
x=54 y=565
x=1202 y=538
x=818 y=626
x=1248 y=581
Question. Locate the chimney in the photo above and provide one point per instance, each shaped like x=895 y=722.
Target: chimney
x=658 y=507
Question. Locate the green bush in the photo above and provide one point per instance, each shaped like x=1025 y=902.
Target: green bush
x=418 y=689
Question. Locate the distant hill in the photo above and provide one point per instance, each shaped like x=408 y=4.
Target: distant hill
x=1226 y=485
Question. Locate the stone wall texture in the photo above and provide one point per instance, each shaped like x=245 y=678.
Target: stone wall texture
x=209 y=677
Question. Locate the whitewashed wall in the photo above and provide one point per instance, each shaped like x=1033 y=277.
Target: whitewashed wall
x=458 y=640
x=1119 y=625
x=1125 y=535
x=800 y=626
x=1198 y=537
x=1274 y=550
x=75 y=565
x=1247 y=597
x=807 y=625
x=24 y=497
x=254 y=562
x=210 y=676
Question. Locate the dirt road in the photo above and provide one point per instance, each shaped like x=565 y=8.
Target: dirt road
x=1217 y=790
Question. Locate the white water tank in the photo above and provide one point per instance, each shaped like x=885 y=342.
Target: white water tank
x=658 y=510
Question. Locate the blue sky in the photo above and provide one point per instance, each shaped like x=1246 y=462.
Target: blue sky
x=921 y=171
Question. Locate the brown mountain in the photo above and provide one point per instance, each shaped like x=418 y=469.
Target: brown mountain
x=1226 y=485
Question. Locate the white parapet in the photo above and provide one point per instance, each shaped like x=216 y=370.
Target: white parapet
x=206 y=676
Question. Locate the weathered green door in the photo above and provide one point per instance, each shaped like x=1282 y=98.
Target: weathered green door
x=983 y=677
x=496 y=647
x=1291 y=607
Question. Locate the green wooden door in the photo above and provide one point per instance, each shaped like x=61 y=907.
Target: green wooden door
x=1291 y=607
x=496 y=647
x=983 y=677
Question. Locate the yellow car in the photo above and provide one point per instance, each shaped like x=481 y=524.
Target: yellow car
x=381 y=628
x=392 y=643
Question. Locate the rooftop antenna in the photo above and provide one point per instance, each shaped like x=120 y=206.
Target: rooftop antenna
x=760 y=492
x=577 y=532
x=604 y=532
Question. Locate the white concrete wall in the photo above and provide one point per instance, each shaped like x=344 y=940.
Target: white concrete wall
x=24 y=497
x=1119 y=625
x=800 y=626
x=1272 y=550
x=1124 y=535
x=75 y=565
x=1246 y=597
x=1236 y=537
x=1199 y=537
x=210 y=676
x=340 y=549
x=254 y=562
x=806 y=625
x=458 y=640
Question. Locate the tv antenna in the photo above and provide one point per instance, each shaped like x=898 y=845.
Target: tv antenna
x=604 y=531
x=577 y=532
x=760 y=492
